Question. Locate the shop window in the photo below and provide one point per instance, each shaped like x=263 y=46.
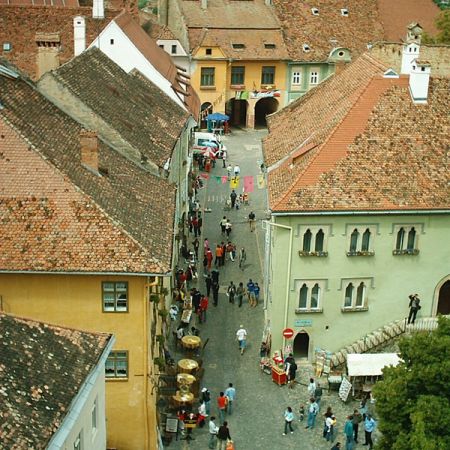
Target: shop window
x=115 y=296
x=237 y=75
x=355 y=298
x=406 y=240
x=116 y=365
x=207 y=77
x=268 y=75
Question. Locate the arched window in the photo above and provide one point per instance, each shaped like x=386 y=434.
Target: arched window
x=307 y=240
x=411 y=239
x=315 y=295
x=360 y=295
x=400 y=239
x=318 y=247
x=348 y=295
x=365 y=245
x=303 y=296
x=354 y=240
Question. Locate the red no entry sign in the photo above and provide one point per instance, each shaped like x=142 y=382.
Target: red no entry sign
x=288 y=333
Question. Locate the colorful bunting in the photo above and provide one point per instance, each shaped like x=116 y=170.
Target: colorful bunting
x=261 y=181
x=249 y=185
x=234 y=183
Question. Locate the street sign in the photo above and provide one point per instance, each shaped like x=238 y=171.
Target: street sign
x=303 y=323
x=288 y=333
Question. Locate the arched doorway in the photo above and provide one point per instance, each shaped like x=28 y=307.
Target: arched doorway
x=443 y=306
x=206 y=108
x=237 y=110
x=301 y=345
x=264 y=107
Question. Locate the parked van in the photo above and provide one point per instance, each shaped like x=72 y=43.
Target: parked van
x=202 y=139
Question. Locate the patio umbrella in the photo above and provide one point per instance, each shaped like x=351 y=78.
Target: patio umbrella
x=218 y=117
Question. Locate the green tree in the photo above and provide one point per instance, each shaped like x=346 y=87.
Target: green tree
x=413 y=400
x=443 y=25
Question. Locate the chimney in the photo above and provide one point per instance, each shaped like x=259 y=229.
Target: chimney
x=98 y=9
x=89 y=150
x=79 y=35
x=411 y=51
x=419 y=79
x=204 y=4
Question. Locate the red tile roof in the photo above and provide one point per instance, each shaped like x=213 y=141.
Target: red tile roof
x=42 y=368
x=58 y=216
x=365 y=138
x=328 y=29
x=69 y=3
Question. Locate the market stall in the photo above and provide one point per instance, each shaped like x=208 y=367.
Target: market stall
x=365 y=369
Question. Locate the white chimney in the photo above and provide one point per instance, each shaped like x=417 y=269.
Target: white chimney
x=98 y=9
x=268 y=2
x=79 y=35
x=419 y=79
x=410 y=52
x=204 y=4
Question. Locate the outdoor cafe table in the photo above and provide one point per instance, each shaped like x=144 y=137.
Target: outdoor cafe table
x=186 y=379
x=182 y=398
x=187 y=366
x=191 y=342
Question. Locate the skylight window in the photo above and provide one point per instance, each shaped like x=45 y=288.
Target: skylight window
x=315 y=11
x=306 y=48
x=344 y=12
x=269 y=46
x=238 y=46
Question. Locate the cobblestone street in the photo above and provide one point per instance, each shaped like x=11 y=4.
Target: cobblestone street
x=257 y=421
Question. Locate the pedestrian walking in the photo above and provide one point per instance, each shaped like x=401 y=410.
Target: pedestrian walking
x=196 y=244
x=213 y=429
x=230 y=394
x=348 y=431
x=330 y=423
x=242 y=258
x=251 y=293
x=327 y=415
x=369 y=426
x=257 y=291
x=206 y=398
x=229 y=171
x=219 y=254
x=200 y=222
x=222 y=402
x=292 y=371
x=241 y=336
x=209 y=257
x=205 y=245
x=228 y=228
x=224 y=252
x=208 y=282
x=356 y=420
x=311 y=387
x=301 y=413
x=215 y=275
x=236 y=170
x=414 y=307
x=215 y=292
x=318 y=395
x=223 y=435
x=312 y=413
x=288 y=418
x=240 y=292
x=233 y=197
x=203 y=308
x=251 y=221
x=231 y=291
x=195 y=226
x=230 y=251
x=223 y=222
x=224 y=158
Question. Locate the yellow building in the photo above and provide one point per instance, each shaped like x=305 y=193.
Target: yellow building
x=87 y=240
x=237 y=67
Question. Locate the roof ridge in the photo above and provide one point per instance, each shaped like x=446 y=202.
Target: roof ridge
x=314 y=157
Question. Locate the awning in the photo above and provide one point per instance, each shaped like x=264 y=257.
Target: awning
x=370 y=364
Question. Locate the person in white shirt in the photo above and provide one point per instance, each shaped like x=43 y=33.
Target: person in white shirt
x=241 y=336
x=237 y=170
x=311 y=387
x=213 y=429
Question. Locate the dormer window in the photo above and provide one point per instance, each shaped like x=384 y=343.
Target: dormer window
x=315 y=11
x=7 y=46
x=306 y=48
x=344 y=12
x=271 y=46
x=238 y=46
x=208 y=51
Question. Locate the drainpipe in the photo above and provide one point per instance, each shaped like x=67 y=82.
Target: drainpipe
x=145 y=362
x=288 y=274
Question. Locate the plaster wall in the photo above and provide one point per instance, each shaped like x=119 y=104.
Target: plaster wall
x=76 y=301
x=390 y=278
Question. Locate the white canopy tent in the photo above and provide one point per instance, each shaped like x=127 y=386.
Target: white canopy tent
x=370 y=364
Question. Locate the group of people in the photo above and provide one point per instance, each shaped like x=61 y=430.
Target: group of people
x=239 y=292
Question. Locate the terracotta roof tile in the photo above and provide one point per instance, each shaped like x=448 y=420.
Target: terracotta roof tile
x=42 y=368
x=55 y=215
x=329 y=29
x=259 y=44
x=142 y=114
x=370 y=139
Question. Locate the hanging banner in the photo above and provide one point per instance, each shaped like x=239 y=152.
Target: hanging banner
x=234 y=183
x=218 y=180
x=264 y=94
x=224 y=179
x=261 y=181
x=249 y=185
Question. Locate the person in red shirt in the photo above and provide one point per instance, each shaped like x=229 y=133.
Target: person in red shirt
x=209 y=257
x=203 y=308
x=222 y=402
